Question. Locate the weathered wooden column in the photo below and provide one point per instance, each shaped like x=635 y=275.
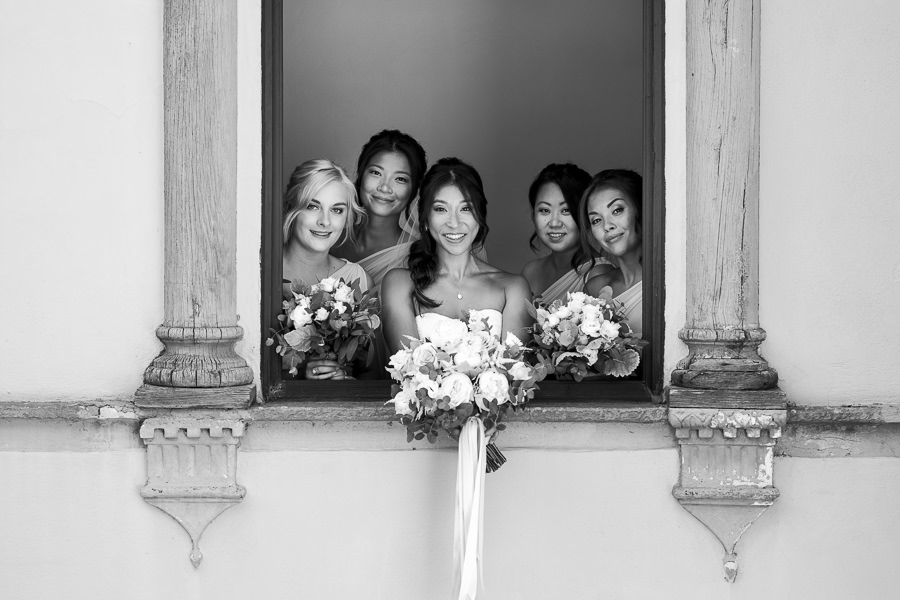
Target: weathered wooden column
x=191 y=459
x=723 y=402
x=199 y=367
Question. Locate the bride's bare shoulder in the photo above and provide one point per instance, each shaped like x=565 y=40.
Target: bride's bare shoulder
x=396 y=279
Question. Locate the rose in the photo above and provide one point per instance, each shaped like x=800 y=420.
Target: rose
x=424 y=354
x=564 y=312
x=519 y=371
x=468 y=357
x=457 y=388
x=492 y=386
x=591 y=327
x=402 y=403
x=542 y=315
x=420 y=381
x=577 y=300
x=609 y=330
x=321 y=314
x=447 y=334
x=512 y=340
x=592 y=321
x=340 y=307
x=300 y=317
x=552 y=320
x=344 y=293
x=300 y=299
x=399 y=361
x=327 y=284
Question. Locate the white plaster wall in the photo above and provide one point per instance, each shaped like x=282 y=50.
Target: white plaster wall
x=81 y=233
x=377 y=525
x=81 y=186
x=829 y=201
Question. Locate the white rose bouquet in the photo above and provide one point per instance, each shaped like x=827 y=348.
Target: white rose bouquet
x=332 y=319
x=460 y=371
x=583 y=335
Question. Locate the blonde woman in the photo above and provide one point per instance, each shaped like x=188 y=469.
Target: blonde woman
x=320 y=211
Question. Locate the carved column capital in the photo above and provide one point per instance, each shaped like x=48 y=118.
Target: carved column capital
x=192 y=471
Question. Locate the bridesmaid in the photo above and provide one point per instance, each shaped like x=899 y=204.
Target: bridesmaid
x=611 y=212
x=388 y=174
x=320 y=209
x=554 y=196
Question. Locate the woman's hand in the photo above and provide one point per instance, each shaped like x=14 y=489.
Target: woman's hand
x=325 y=368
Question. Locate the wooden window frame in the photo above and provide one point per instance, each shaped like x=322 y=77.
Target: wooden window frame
x=647 y=387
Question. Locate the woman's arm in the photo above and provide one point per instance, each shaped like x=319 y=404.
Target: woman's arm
x=397 y=313
x=515 y=312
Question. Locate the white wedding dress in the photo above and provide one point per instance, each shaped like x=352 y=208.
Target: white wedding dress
x=468 y=530
x=428 y=322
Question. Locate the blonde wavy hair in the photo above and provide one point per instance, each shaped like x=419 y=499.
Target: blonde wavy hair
x=306 y=181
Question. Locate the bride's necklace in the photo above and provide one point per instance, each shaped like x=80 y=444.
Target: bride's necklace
x=459 y=294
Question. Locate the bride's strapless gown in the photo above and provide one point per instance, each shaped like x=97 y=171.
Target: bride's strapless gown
x=427 y=322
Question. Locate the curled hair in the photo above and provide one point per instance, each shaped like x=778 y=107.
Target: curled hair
x=624 y=180
x=309 y=179
x=571 y=180
x=423 y=261
x=392 y=140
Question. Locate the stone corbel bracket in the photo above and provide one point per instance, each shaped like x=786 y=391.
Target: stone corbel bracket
x=727 y=441
x=192 y=471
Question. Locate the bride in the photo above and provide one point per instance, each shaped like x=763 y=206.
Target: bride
x=444 y=278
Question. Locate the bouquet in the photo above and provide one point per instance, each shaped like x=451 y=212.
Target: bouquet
x=331 y=319
x=458 y=372
x=585 y=334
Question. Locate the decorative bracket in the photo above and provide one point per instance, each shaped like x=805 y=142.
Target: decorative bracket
x=727 y=441
x=192 y=471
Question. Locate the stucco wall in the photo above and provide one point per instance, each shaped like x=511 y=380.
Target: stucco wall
x=376 y=524
x=829 y=202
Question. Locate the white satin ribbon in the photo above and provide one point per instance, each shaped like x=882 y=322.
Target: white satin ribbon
x=468 y=530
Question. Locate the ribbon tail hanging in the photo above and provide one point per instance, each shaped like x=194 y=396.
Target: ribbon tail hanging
x=468 y=527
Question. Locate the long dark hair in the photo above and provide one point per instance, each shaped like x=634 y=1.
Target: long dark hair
x=392 y=140
x=423 y=262
x=626 y=181
x=571 y=180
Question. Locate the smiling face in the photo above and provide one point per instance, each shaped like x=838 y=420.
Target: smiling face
x=553 y=222
x=318 y=225
x=451 y=221
x=386 y=185
x=612 y=217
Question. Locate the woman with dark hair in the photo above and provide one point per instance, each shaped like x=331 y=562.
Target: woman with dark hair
x=445 y=279
x=611 y=210
x=554 y=197
x=388 y=173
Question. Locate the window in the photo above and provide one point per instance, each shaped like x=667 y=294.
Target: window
x=515 y=77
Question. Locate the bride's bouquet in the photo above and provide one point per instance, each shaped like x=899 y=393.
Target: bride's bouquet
x=331 y=319
x=460 y=370
x=585 y=335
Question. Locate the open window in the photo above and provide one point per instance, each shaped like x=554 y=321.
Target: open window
x=508 y=86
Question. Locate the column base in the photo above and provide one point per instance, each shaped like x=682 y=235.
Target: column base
x=198 y=357
x=155 y=396
x=724 y=359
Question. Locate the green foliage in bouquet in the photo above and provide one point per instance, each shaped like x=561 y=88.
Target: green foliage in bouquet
x=331 y=319
x=583 y=336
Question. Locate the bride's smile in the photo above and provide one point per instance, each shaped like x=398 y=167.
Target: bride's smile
x=452 y=221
